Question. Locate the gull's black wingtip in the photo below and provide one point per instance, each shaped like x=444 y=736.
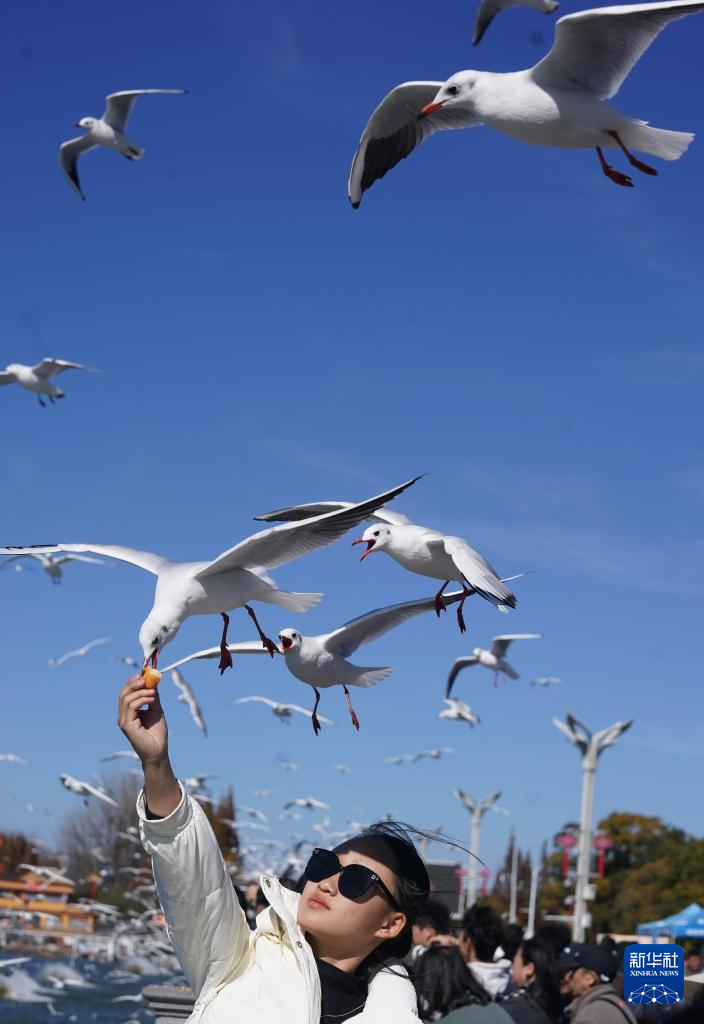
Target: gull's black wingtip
x=355 y=206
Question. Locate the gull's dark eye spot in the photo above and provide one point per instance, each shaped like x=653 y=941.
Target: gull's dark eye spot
x=376 y=533
x=452 y=90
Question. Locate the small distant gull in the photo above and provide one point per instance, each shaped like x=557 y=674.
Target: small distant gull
x=434 y=754
x=289 y=766
x=247 y=826
x=121 y=753
x=309 y=802
x=545 y=681
x=458 y=711
x=421 y=550
x=253 y=812
x=344 y=769
x=321 y=661
x=129 y=837
x=197 y=781
x=492 y=659
x=282 y=711
x=38 y=378
x=51 y=565
x=80 y=652
x=188 y=697
x=239 y=575
x=107 y=131
x=12 y=758
x=126 y=660
x=85 y=789
x=488 y=9
x=263 y=792
x=51 y=876
x=292 y=815
x=558 y=102
x=401 y=758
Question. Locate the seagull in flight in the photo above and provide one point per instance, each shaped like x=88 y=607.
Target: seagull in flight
x=80 y=652
x=120 y=754
x=401 y=758
x=282 y=711
x=239 y=575
x=51 y=565
x=343 y=769
x=108 y=131
x=558 y=102
x=253 y=812
x=321 y=661
x=289 y=766
x=309 y=802
x=421 y=550
x=492 y=659
x=545 y=681
x=188 y=697
x=38 y=378
x=488 y=9
x=12 y=758
x=458 y=711
x=435 y=754
x=197 y=781
x=85 y=789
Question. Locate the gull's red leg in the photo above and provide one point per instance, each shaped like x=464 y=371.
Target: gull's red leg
x=225 y=656
x=460 y=616
x=439 y=600
x=610 y=172
x=314 y=718
x=353 y=716
x=633 y=161
x=267 y=644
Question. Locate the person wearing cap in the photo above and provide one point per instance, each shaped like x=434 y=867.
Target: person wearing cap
x=595 y=1000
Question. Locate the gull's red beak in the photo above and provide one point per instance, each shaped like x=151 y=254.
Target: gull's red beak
x=286 y=642
x=370 y=545
x=429 y=108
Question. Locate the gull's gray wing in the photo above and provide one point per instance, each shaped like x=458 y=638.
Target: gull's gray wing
x=594 y=50
x=486 y=12
x=480 y=575
x=69 y=153
x=51 y=367
x=500 y=644
x=365 y=628
x=246 y=647
x=395 y=129
x=279 y=544
x=142 y=559
x=7 y=377
x=294 y=513
x=456 y=668
x=119 y=104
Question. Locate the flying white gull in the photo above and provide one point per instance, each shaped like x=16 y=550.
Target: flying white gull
x=545 y=681
x=107 y=131
x=127 y=660
x=488 y=9
x=38 y=378
x=343 y=769
x=309 y=802
x=492 y=659
x=80 y=652
x=232 y=579
x=121 y=753
x=52 y=876
x=458 y=711
x=197 y=781
x=289 y=766
x=321 y=661
x=188 y=697
x=400 y=758
x=12 y=758
x=253 y=812
x=435 y=754
x=51 y=565
x=559 y=102
x=282 y=711
x=85 y=789
x=420 y=550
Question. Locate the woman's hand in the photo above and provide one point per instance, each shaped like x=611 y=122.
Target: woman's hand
x=146 y=730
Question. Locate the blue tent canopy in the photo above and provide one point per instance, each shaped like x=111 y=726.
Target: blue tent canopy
x=689 y=924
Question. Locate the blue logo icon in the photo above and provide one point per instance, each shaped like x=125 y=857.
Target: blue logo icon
x=653 y=973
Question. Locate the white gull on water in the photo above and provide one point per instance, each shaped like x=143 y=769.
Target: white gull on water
x=421 y=550
x=558 y=102
x=321 y=661
x=239 y=575
x=107 y=131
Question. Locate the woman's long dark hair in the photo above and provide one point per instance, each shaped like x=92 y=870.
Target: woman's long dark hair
x=444 y=982
x=545 y=987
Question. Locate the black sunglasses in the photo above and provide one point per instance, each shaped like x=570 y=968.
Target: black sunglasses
x=354 y=879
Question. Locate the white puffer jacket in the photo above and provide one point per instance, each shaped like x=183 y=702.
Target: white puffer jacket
x=266 y=976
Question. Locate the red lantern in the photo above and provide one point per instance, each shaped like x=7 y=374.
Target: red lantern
x=602 y=844
x=567 y=841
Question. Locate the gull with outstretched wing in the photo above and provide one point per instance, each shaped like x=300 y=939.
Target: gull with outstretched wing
x=39 y=378
x=492 y=659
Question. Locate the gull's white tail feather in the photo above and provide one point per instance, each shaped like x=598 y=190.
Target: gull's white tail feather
x=287 y=599
x=368 y=676
x=655 y=141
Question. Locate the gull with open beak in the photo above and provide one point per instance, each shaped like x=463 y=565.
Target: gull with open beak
x=558 y=102
x=321 y=661
x=231 y=580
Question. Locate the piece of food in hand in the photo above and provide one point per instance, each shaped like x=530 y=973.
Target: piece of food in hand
x=151 y=677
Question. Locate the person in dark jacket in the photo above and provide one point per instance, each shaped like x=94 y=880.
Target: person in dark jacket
x=536 y=996
x=448 y=991
x=595 y=1000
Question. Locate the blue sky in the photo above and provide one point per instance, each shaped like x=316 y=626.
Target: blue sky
x=500 y=317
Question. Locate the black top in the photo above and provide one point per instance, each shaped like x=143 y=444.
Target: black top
x=342 y=995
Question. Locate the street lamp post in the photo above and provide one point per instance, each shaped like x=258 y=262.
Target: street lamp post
x=477 y=808
x=591 y=745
